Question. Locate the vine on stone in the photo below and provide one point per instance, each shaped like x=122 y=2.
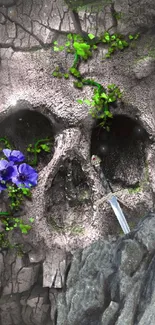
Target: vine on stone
x=82 y=48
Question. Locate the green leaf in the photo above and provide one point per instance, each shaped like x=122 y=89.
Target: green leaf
x=69 y=36
x=54 y=74
x=111 y=99
x=68 y=43
x=125 y=44
x=45 y=147
x=78 y=84
x=78 y=38
x=93 y=103
x=91 y=36
x=80 y=101
x=108 y=114
x=95 y=47
x=82 y=49
x=31 y=219
x=61 y=48
x=24 y=228
x=107 y=36
x=66 y=75
x=56 y=49
x=111 y=86
x=75 y=72
x=55 y=43
x=131 y=37
x=104 y=95
x=87 y=101
x=25 y=191
x=136 y=36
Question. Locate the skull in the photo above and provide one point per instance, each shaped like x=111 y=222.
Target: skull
x=70 y=203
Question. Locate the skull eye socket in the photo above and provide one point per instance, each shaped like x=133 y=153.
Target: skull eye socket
x=25 y=127
x=122 y=150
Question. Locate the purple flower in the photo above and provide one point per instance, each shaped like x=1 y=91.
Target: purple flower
x=14 y=155
x=7 y=170
x=27 y=176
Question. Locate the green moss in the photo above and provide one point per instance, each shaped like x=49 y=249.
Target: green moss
x=77 y=230
x=118 y=15
x=84 y=196
x=135 y=190
x=144 y=182
x=88 y=5
x=151 y=53
x=55 y=225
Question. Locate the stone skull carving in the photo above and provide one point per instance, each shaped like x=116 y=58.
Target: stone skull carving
x=69 y=204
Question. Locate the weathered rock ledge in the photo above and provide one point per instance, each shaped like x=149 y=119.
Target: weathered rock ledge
x=110 y=282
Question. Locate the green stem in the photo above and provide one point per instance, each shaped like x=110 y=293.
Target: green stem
x=76 y=60
x=35 y=160
x=4 y=213
x=87 y=81
x=5 y=141
x=93 y=83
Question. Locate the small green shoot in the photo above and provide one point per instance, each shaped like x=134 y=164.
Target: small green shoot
x=91 y=36
x=42 y=145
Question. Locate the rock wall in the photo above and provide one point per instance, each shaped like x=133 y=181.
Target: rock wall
x=75 y=268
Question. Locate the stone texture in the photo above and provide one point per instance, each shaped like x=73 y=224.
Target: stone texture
x=147 y=228
x=109 y=313
x=7 y=3
x=54 y=268
x=107 y=291
x=144 y=67
x=36 y=306
x=10 y=310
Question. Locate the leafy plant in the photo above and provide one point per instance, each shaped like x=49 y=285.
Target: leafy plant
x=16 y=196
x=135 y=190
x=12 y=223
x=100 y=102
x=82 y=50
x=75 y=72
x=42 y=145
x=114 y=42
x=5 y=142
x=17 y=179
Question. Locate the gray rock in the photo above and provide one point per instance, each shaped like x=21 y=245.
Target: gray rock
x=111 y=285
x=146 y=234
x=21 y=278
x=36 y=306
x=10 y=310
x=36 y=256
x=109 y=313
x=54 y=268
x=144 y=67
x=131 y=256
x=7 y=3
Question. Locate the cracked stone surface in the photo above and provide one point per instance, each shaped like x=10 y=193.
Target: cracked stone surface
x=74 y=258
x=109 y=283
